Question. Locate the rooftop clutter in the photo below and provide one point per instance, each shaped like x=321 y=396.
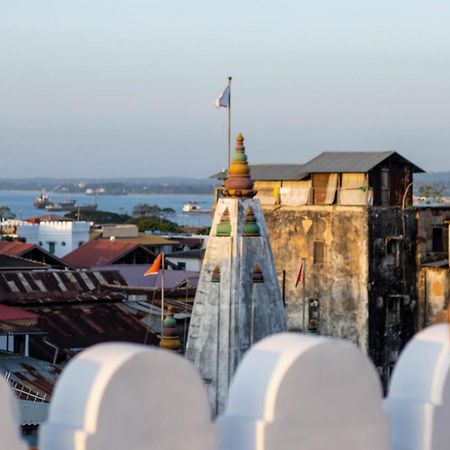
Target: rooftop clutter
x=239 y=182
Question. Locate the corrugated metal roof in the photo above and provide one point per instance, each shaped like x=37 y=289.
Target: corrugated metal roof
x=74 y=327
x=32 y=413
x=34 y=377
x=15 y=248
x=351 y=162
x=102 y=252
x=47 y=286
x=8 y=314
x=272 y=172
x=134 y=276
x=8 y=262
x=32 y=252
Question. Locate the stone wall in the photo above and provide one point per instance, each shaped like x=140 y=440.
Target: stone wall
x=339 y=283
x=434 y=292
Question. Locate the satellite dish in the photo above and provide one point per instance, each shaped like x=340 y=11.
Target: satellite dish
x=112 y=238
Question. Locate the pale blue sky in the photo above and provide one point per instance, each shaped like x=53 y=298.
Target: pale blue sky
x=126 y=88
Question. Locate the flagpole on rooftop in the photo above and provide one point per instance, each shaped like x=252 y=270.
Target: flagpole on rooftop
x=162 y=292
x=304 y=294
x=229 y=121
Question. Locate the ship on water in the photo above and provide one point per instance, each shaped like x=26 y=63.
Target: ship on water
x=42 y=201
x=194 y=208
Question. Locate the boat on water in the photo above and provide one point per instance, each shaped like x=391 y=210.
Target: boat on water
x=63 y=207
x=43 y=202
x=194 y=208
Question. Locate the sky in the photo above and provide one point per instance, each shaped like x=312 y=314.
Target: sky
x=110 y=88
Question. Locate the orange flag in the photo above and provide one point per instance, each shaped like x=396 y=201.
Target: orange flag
x=154 y=268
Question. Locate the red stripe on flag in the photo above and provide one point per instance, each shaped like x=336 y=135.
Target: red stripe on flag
x=300 y=274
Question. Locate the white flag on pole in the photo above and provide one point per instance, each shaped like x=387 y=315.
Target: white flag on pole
x=223 y=100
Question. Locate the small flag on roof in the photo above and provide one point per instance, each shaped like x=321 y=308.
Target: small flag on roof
x=155 y=267
x=300 y=274
x=223 y=100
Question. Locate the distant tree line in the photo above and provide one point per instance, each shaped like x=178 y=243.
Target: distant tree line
x=147 y=218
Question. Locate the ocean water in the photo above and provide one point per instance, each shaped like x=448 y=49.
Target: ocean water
x=21 y=204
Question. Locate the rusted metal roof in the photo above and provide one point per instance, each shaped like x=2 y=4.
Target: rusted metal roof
x=8 y=314
x=15 y=248
x=52 y=286
x=352 y=162
x=103 y=252
x=30 y=251
x=71 y=328
x=8 y=262
x=29 y=376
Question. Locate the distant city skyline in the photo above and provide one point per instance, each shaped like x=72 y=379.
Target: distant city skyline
x=126 y=89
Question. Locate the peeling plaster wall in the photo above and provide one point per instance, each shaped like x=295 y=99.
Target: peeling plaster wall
x=340 y=283
x=435 y=288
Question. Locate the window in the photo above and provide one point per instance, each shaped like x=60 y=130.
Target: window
x=319 y=252
x=51 y=247
x=385 y=187
x=438 y=239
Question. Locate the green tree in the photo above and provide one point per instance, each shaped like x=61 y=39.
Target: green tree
x=153 y=223
x=432 y=192
x=6 y=213
x=144 y=209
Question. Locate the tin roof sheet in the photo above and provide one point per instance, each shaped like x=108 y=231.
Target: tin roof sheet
x=100 y=252
x=8 y=262
x=272 y=172
x=50 y=286
x=134 y=276
x=351 y=162
x=74 y=327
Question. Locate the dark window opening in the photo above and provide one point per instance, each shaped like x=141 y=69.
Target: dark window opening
x=51 y=247
x=385 y=187
x=319 y=252
x=392 y=247
x=438 y=239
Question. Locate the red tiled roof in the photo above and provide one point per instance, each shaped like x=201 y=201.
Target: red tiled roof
x=99 y=252
x=15 y=248
x=8 y=313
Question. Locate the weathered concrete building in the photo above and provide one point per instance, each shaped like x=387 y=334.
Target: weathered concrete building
x=238 y=300
x=433 y=251
x=348 y=215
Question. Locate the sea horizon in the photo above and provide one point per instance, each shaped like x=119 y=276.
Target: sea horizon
x=21 y=204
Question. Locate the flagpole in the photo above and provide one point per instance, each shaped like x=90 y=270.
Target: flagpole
x=229 y=121
x=304 y=295
x=162 y=293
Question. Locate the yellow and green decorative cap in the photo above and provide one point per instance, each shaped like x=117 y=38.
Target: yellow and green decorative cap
x=239 y=182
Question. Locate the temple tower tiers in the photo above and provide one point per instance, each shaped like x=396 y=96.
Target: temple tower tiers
x=238 y=300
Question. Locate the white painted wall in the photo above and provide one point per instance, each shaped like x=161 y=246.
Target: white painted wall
x=66 y=236
x=291 y=391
